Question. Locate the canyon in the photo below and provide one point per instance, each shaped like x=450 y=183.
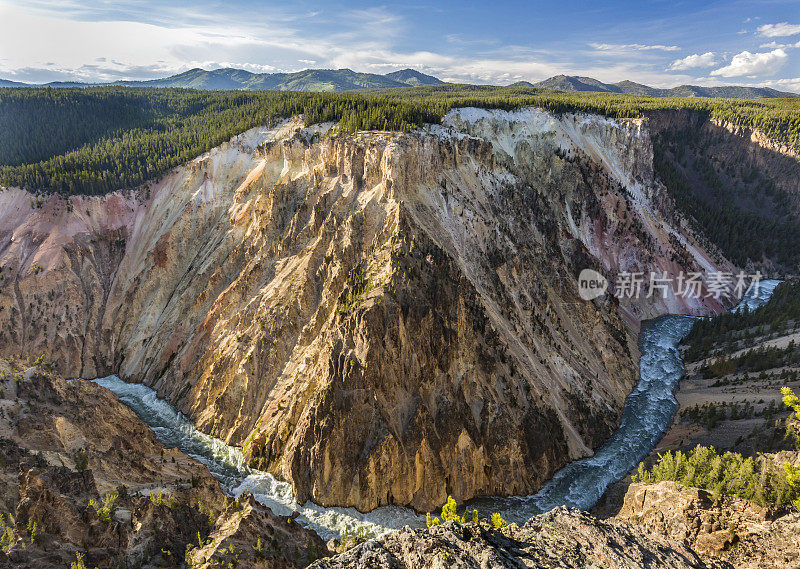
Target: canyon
x=379 y=318
x=86 y=480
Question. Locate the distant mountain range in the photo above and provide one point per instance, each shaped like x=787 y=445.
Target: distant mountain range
x=232 y=79
x=576 y=83
x=54 y=84
x=308 y=80
x=349 y=80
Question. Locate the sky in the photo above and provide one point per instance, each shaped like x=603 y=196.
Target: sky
x=659 y=43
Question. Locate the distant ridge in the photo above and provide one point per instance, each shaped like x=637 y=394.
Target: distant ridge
x=308 y=80
x=7 y=83
x=234 y=79
x=414 y=77
x=328 y=80
x=577 y=83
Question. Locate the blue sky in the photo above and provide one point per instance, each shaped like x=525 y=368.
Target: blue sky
x=660 y=43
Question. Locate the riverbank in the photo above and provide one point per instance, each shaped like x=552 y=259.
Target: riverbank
x=730 y=397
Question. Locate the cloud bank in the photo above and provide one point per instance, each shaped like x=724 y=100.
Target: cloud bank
x=98 y=41
x=693 y=61
x=753 y=64
x=781 y=30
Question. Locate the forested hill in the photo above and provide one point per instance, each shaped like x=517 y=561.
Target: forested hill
x=98 y=140
x=733 y=329
x=332 y=80
x=323 y=80
x=576 y=83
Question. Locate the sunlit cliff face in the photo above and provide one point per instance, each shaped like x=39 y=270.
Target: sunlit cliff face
x=377 y=319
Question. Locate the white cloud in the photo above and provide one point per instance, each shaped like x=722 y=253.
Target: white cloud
x=776 y=45
x=693 y=61
x=632 y=47
x=789 y=84
x=252 y=67
x=142 y=50
x=753 y=64
x=89 y=40
x=780 y=30
x=792 y=84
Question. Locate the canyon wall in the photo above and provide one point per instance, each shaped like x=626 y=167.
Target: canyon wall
x=378 y=318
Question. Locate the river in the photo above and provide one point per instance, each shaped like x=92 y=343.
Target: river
x=647 y=414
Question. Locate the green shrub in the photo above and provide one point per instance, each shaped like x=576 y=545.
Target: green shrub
x=34 y=534
x=79 y=562
x=258 y=549
x=349 y=539
x=791 y=400
x=106 y=511
x=162 y=498
x=793 y=479
x=8 y=535
x=430 y=522
x=754 y=479
x=449 y=512
x=497 y=522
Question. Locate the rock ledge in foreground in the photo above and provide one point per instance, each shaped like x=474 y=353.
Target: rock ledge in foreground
x=563 y=538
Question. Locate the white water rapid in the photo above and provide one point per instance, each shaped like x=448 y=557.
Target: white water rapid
x=647 y=414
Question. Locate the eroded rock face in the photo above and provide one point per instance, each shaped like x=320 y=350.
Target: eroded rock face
x=53 y=510
x=732 y=144
x=159 y=503
x=247 y=535
x=730 y=529
x=376 y=319
x=560 y=538
x=81 y=426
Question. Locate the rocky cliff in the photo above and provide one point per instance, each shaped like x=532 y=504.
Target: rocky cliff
x=726 y=529
x=378 y=319
x=659 y=525
x=82 y=477
x=561 y=538
x=737 y=186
